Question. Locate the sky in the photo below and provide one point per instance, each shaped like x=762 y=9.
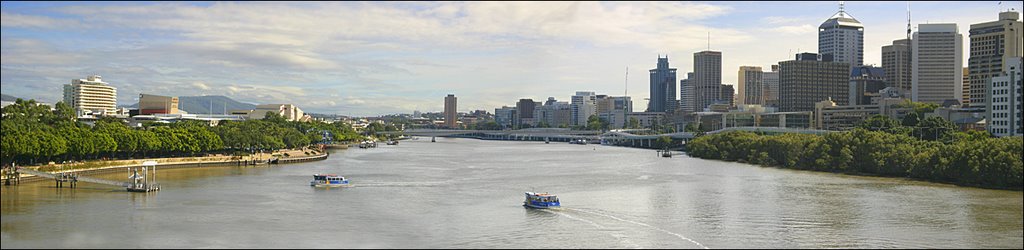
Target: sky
x=374 y=58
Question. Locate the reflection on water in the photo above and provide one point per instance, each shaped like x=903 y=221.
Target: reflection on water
x=461 y=193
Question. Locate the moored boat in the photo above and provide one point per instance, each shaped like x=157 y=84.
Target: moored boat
x=541 y=200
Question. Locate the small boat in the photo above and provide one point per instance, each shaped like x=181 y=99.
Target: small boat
x=541 y=200
x=329 y=180
x=578 y=141
x=392 y=142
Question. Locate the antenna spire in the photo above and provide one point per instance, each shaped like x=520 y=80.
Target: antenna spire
x=908 y=21
x=626 y=93
x=709 y=40
x=842 y=7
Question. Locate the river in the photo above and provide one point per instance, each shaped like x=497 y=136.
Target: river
x=466 y=193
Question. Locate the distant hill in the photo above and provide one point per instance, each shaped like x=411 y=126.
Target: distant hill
x=201 y=104
x=7 y=98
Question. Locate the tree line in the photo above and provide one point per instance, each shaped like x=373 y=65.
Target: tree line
x=33 y=133
x=932 y=150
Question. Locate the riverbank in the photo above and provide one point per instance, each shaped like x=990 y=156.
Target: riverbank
x=983 y=162
x=103 y=167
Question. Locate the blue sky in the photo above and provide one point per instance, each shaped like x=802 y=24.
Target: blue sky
x=370 y=58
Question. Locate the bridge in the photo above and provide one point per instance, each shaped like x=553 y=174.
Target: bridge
x=64 y=177
x=619 y=137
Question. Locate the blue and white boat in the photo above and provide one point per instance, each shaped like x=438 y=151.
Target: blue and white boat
x=541 y=200
x=329 y=180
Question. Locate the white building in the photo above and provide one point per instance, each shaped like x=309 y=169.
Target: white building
x=583 y=105
x=937 y=63
x=1004 y=110
x=288 y=111
x=842 y=36
x=91 y=96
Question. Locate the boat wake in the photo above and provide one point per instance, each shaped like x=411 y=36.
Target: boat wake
x=638 y=223
x=621 y=238
x=401 y=184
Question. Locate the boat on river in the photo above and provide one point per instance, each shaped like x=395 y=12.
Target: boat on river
x=541 y=200
x=329 y=180
x=578 y=141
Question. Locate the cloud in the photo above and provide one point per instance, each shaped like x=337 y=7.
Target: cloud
x=797 y=29
x=14 y=20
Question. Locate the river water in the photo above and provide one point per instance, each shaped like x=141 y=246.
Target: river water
x=465 y=193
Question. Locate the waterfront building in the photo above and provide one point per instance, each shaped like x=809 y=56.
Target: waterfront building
x=750 y=83
x=812 y=78
x=687 y=94
x=937 y=63
x=992 y=46
x=707 y=81
x=156 y=104
x=1004 y=110
x=752 y=116
x=771 y=87
x=450 y=113
x=829 y=116
x=90 y=96
x=556 y=114
x=505 y=116
x=896 y=62
x=865 y=84
x=842 y=36
x=647 y=119
x=527 y=111
x=614 y=109
x=583 y=105
x=663 y=87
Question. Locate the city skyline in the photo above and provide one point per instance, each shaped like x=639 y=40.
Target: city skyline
x=344 y=58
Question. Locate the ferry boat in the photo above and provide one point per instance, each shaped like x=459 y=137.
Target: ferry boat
x=541 y=200
x=392 y=142
x=329 y=180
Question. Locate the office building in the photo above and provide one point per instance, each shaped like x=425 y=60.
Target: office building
x=583 y=105
x=505 y=116
x=1004 y=110
x=663 y=87
x=842 y=36
x=687 y=94
x=812 y=78
x=771 y=87
x=896 y=64
x=750 y=83
x=993 y=45
x=526 y=109
x=728 y=95
x=865 y=84
x=707 y=71
x=937 y=63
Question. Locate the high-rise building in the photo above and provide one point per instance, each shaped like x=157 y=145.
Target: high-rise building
x=613 y=109
x=583 y=105
x=771 y=87
x=937 y=63
x=810 y=79
x=896 y=64
x=1004 y=110
x=555 y=114
x=993 y=45
x=687 y=94
x=707 y=81
x=156 y=104
x=750 y=83
x=842 y=36
x=90 y=95
x=526 y=108
x=728 y=95
x=450 y=111
x=866 y=82
x=505 y=116
x=663 y=87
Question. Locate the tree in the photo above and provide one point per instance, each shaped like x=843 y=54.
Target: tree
x=633 y=123
x=911 y=119
x=883 y=123
x=663 y=142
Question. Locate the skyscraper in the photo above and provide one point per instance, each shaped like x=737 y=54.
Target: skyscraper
x=90 y=95
x=750 y=84
x=526 y=108
x=896 y=64
x=687 y=94
x=810 y=79
x=937 y=63
x=842 y=36
x=450 y=113
x=728 y=95
x=993 y=45
x=771 y=87
x=707 y=81
x=663 y=87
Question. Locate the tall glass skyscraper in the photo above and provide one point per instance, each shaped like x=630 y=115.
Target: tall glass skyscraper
x=663 y=88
